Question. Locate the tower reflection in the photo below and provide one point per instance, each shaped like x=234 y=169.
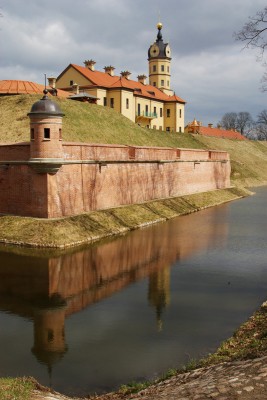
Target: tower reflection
x=48 y=287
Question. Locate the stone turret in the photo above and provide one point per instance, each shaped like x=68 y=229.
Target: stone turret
x=46 y=152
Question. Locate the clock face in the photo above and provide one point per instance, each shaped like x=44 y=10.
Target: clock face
x=168 y=51
x=154 y=50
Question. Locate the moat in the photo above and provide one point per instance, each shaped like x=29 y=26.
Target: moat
x=128 y=309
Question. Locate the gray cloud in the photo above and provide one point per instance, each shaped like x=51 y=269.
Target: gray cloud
x=209 y=70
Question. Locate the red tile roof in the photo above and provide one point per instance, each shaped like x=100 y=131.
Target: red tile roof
x=103 y=79
x=197 y=128
x=25 y=87
x=220 y=133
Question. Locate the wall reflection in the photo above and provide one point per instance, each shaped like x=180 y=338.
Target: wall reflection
x=47 y=288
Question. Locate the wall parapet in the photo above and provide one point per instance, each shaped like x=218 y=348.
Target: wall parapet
x=93 y=177
x=77 y=152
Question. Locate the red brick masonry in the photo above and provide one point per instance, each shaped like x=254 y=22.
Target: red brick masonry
x=96 y=176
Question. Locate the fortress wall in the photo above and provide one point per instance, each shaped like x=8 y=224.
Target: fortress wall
x=85 y=187
x=115 y=177
x=12 y=152
x=24 y=191
x=83 y=151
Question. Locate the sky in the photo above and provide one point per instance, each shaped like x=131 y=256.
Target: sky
x=210 y=70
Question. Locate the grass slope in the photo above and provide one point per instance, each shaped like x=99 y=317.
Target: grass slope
x=84 y=122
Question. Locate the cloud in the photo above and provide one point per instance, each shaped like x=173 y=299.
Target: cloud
x=209 y=70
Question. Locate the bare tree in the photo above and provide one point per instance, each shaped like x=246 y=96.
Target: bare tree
x=254 y=32
x=254 y=35
x=241 y=122
x=262 y=118
x=261 y=129
x=244 y=122
x=228 y=121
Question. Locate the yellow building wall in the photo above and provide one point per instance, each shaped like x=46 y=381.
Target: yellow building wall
x=180 y=117
x=71 y=75
x=174 y=117
x=156 y=77
x=128 y=105
x=115 y=95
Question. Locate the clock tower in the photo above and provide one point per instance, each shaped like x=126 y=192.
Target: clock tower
x=159 y=61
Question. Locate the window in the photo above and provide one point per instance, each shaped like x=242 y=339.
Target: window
x=127 y=104
x=154 y=83
x=146 y=110
x=154 y=68
x=32 y=133
x=162 y=82
x=180 y=113
x=168 y=83
x=105 y=101
x=180 y=129
x=162 y=68
x=168 y=129
x=168 y=69
x=71 y=83
x=160 y=112
x=168 y=112
x=155 y=111
x=112 y=102
x=46 y=133
x=154 y=127
x=60 y=134
x=138 y=109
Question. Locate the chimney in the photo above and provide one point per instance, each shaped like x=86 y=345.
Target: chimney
x=210 y=125
x=52 y=82
x=142 y=79
x=125 y=74
x=90 y=64
x=76 y=88
x=109 y=70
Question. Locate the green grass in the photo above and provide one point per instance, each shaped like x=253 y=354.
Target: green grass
x=16 y=388
x=85 y=228
x=85 y=122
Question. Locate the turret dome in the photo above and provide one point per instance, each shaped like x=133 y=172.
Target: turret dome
x=46 y=106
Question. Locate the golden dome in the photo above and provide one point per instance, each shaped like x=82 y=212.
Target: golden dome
x=159 y=25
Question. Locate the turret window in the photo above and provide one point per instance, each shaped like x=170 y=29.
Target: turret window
x=32 y=133
x=162 y=82
x=46 y=133
x=60 y=134
x=154 y=83
x=162 y=68
x=154 y=68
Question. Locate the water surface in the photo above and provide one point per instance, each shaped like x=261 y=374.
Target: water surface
x=130 y=308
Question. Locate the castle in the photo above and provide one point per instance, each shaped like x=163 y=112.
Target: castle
x=49 y=178
x=153 y=105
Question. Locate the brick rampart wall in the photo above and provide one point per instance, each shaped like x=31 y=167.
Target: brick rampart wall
x=102 y=176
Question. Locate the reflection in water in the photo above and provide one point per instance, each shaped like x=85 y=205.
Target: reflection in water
x=48 y=289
